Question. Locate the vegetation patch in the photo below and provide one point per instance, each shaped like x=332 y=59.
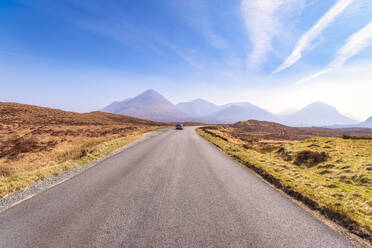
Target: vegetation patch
x=58 y=162
x=347 y=136
x=310 y=158
x=337 y=182
x=286 y=156
x=14 y=147
x=38 y=143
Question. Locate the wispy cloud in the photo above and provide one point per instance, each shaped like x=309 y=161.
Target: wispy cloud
x=353 y=46
x=201 y=17
x=197 y=15
x=264 y=20
x=305 y=41
x=313 y=76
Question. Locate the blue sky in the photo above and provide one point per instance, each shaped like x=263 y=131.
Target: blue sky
x=81 y=55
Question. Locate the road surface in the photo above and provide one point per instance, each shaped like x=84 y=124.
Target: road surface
x=172 y=190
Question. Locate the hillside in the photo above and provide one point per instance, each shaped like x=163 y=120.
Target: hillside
x=259 y=130
x=325 y=169
x=15 y=113
x=37 y=142
x=253 y=130
x=116 y=107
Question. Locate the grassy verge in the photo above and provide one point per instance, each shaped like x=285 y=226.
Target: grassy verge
x=43 y=165
x=340 y=188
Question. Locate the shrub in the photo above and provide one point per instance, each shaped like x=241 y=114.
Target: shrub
x=267 y=148
x=6 y=171
x=346 y=136
x=286 y=156
x=310 y=158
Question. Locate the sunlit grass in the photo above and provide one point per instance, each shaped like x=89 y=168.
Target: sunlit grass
x=342 y=184
x=39 y=166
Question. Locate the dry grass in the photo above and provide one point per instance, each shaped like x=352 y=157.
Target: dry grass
x=330 y=174
x=38 y=143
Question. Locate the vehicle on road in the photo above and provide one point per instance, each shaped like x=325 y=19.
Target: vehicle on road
x=179 y=126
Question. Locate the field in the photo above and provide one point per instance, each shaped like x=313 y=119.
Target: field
x=328 y=170
x=37 y=143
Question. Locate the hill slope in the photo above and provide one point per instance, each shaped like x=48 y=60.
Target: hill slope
x=37 y=143
x=115 y=107
x=320 y=171
x=23 y=114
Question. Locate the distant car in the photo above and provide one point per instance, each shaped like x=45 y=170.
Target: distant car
x=179 y=126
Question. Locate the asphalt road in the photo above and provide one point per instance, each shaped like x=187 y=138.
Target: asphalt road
x=173 y=190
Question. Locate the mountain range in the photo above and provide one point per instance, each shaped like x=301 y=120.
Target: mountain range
x=153 y=106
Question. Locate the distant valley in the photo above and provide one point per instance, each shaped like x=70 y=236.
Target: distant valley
x=152 y=105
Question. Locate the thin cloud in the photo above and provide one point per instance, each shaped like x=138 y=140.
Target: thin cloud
x=353 y=46
x=313 y=76
x=196 y=14
x=314 y=32
x=264 y=20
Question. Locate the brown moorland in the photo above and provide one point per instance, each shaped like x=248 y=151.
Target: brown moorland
x=329 y=170
x=37 y=142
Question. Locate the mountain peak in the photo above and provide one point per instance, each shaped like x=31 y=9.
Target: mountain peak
x=235 y=112
x=319 y=104
x=369 y=120
x=320 y=107
x=150 y=92
x=367 y=123
x=317 y=114
x=198 y=107
x=148 y=105
x=151 y=97
x=200 y=100
x=239 y=104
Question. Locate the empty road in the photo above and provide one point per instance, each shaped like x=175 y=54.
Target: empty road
x=172 y=190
